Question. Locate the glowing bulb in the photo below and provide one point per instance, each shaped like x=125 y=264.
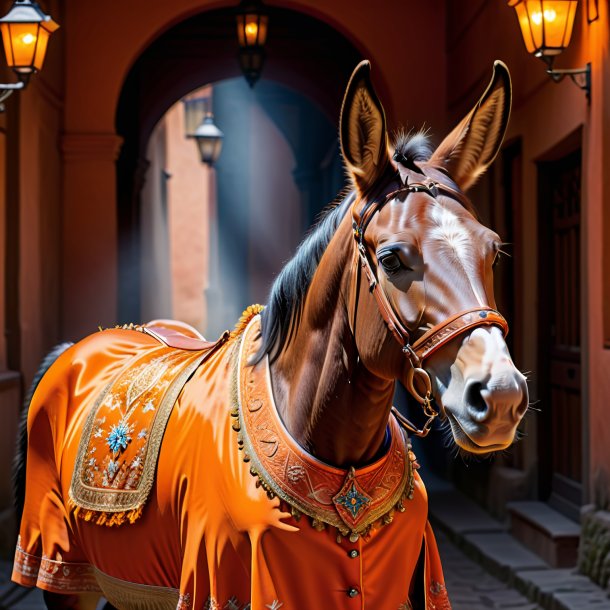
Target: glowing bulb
x=549 y=15
x=251 y=29
x=28 y=38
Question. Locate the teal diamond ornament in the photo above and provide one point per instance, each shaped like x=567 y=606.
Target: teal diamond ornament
x=352 y=502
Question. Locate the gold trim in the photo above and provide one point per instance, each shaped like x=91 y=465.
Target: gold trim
x=382 y=515
x=136 y=596
x=93 y=503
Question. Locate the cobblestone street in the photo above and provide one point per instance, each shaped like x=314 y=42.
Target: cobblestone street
x=470 y=587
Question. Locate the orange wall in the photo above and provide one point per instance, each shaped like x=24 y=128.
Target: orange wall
x=544 y=113
x=188 y=201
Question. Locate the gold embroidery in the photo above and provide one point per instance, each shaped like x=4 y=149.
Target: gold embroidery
x=116 y=462
x=351 y=501
x=56 y=575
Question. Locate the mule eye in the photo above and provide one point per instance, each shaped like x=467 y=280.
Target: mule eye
x=390 y=262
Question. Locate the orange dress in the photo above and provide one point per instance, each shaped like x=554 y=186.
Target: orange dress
x=237 y=516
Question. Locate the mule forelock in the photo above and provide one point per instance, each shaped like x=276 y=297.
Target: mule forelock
x=413 y=146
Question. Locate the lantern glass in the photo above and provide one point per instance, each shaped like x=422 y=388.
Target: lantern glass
x=209 y=140
x=209 y=149
x=546 y=25
x=252 y=29
x=20 y=44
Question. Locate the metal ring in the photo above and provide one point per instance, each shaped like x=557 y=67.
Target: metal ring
x=423 y=375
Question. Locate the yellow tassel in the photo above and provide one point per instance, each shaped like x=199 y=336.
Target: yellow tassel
x=249 y=313
x=108 y=519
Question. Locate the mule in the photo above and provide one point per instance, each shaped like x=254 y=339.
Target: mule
x=284 y=479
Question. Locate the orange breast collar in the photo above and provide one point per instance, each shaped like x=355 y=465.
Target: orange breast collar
x=351 y=500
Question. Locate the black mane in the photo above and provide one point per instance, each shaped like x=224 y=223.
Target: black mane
x=282 y=313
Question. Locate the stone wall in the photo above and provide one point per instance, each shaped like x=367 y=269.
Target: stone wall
x=594 y=550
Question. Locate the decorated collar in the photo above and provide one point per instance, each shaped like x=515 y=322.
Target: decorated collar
x=352 y=500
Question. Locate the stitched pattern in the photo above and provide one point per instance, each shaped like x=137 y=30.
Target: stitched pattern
x=117 y=456
x=307 y=485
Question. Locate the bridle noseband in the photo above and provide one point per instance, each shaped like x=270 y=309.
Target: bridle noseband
x=436 y=337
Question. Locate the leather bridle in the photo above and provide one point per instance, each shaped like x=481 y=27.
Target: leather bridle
x=436 y=337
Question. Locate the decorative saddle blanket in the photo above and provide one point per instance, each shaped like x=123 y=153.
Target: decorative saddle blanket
x=118 y=451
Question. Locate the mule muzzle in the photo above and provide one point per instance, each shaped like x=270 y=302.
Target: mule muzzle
x=490 y=413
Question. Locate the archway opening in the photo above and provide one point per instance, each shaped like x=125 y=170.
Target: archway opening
x=213 y=238
x=203 y=50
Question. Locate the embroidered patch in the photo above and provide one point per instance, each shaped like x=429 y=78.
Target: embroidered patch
x=351 y=500
x=119 y=447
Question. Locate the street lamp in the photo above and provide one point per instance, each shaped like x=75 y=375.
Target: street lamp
x=546 y=27
x=25 y=33
x=209 y=140
x=252 y=19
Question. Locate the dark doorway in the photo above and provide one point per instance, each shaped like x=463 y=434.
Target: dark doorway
x=560 y=430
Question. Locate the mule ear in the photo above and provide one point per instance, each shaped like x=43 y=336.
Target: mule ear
x=363 y=133
x=472 y=146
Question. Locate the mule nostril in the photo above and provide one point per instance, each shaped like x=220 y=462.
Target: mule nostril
x=475 y=403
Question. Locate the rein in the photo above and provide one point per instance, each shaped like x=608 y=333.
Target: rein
x=436 y=337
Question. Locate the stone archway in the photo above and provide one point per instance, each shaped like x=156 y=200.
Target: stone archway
x=201 y=50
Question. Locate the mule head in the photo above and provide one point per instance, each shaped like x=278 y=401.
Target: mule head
x=433 y=259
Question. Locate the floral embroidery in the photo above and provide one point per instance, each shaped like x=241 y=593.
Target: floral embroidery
x=119 y=437
x=274 y=605
x=131 y=412
x=440 y=599
x=211 y=604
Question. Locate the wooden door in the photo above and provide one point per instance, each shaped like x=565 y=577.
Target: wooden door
x=560 y=429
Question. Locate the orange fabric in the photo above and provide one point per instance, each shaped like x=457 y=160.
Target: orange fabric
x=207 y=533
x=351 y=501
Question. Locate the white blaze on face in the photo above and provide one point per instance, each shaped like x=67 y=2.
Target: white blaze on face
x=451 y=232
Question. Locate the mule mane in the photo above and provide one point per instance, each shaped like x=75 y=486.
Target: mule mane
x=282 y=313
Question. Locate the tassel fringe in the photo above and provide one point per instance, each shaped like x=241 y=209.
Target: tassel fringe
x=108 y=519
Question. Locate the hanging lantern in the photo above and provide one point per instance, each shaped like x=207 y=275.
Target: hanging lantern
x=25 y=34
x=209 y=140
x=252 y=19
x=546 y=25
